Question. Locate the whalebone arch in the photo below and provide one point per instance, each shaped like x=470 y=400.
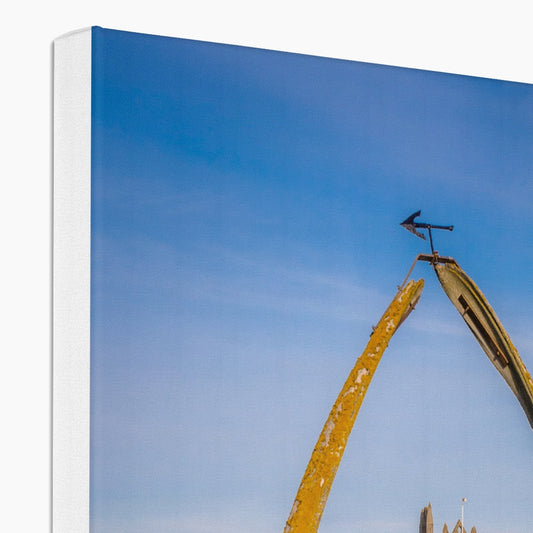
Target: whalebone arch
x=311 y=498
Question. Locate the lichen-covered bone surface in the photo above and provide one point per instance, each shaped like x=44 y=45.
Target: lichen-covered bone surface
x=489 y=332
x=314 y=488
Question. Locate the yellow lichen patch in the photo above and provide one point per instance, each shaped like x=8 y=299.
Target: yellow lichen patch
x=318 y=477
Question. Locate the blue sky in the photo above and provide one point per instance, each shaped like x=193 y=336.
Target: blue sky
x=245 y=239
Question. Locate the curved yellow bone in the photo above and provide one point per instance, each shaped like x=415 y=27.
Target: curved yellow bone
x=489 y=332
x=318 y=477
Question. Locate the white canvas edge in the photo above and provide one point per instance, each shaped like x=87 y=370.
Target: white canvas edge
x=71 y=282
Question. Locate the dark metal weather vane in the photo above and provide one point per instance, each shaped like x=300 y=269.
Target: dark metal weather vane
x=410 y=225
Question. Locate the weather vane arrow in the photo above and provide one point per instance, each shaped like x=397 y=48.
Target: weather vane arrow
x=410 y=225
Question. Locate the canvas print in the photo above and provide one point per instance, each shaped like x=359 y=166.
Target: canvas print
x=271 y=350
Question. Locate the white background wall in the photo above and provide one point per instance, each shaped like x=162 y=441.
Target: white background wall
x=491 y=39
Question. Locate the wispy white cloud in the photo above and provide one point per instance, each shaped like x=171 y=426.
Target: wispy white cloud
x=253 y=280
x=429 y=323
x=243 y=279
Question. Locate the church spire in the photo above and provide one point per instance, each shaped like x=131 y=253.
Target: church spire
x=426 y=520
